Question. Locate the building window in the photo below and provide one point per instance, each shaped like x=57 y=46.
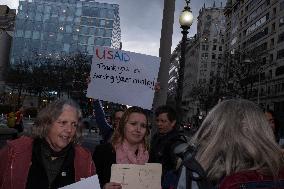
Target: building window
x=214 y=47
x=257 y=24
x=281 y=37
x=19 y=33
x=272 y=42
x=264 y=60
x=280 y=54
x=36 y=35
x=270 y=57
x=257 y=36
x=279 y=71
x=91 y=40
x=259 y=49
x=66 y=47
x=102 y=23
x=281 y=5
x=220 y=48
x=273 y=27
x=28 y=34
x=256 y=12
x=274 y=11
x=204 y=56
x=109 y=23
x=68 y=29
x=281 y=22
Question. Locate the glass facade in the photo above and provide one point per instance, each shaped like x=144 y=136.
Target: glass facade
x=56 y=27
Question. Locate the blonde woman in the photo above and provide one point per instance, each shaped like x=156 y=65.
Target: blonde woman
x=128 y=145
x=237 y=149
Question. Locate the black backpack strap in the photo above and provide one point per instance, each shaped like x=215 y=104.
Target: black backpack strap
x=197 y=174
x=194 y=171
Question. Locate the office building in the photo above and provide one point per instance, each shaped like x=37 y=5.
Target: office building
x=60 y=27
x=255 y=33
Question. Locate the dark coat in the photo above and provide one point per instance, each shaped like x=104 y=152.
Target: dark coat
x=104 y=156
x=16 y=159
x=252 y=180
x=161 y=151
x=38 y=177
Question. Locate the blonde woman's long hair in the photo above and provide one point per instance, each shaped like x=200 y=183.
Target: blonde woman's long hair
x=119 y=133
x=235 y=136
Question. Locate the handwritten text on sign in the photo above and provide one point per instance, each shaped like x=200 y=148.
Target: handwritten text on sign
x=123 y=77
x=132 y=176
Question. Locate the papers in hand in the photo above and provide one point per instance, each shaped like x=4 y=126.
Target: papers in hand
x=131 y=176
x=87 y=183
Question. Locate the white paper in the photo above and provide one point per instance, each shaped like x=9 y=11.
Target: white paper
x=87 y=183
x=123 y=77
x=133 y=176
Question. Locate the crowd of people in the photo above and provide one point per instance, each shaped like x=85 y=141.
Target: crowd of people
x=236 y=146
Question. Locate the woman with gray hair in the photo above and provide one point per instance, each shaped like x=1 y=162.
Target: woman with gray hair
x=237 y=149
x=51 y=158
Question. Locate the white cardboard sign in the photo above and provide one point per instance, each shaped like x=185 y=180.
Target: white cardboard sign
x=132 y=176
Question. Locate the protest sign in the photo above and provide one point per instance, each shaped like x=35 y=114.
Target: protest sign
x=131 y=176
x=86 y=183
x=123 y=77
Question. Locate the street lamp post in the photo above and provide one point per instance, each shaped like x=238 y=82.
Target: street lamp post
x=185 y=20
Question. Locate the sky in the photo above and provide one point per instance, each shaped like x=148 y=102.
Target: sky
x=141 y=22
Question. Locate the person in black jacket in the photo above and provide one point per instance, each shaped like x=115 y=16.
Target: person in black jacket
x=128 y=145
x=107 y=127
x=274 y=123
x=162 y=145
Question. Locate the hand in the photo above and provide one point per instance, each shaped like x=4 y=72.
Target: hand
x=112 y=185
x=88 y=79
x=157 y=87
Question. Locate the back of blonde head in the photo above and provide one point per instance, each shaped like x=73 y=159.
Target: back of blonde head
x=235 y=136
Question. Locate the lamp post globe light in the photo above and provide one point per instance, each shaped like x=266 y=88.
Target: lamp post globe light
x=185 y=20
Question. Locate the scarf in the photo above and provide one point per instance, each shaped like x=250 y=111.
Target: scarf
x=126 y=155
x=50 y=152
